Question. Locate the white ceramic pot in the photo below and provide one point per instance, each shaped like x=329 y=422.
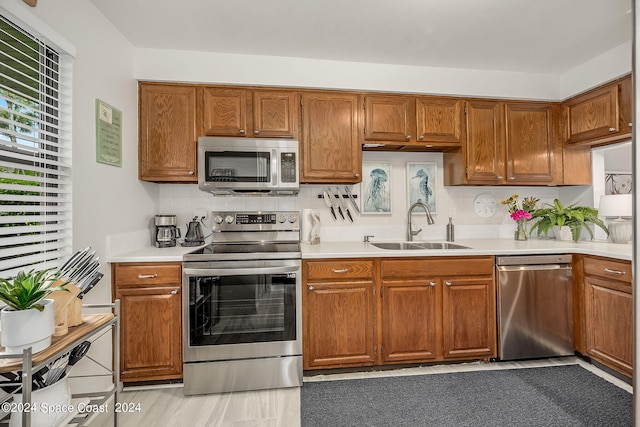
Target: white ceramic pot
x=563 y=233
x=52 y=403
x=21 y=329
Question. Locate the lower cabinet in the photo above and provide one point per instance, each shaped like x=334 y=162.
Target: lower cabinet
x=608 y=312
x=338 y=313
x=437 y=309
x=150 y=322
x=397 y=310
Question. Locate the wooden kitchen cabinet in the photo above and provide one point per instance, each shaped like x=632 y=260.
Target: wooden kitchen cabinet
x=150 y=322
x=510 y=143
x=608 y=312
x=408 y=121
x=434 y=310
x=240 y=112
x=168 y=137
x=330 y=148
x=600 y=116
x=338 y=313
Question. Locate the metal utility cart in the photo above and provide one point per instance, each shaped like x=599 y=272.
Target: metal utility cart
x=93 y=327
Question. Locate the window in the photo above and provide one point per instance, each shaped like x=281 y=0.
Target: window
x=35 y=152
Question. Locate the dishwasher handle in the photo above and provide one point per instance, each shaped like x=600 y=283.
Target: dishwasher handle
x=541 y=267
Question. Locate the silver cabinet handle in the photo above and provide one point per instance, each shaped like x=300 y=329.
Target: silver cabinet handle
x=242 y=131
x=408 y=137
x=174 y=292
x=432 y=284
x=310 y=287
x=499 y=177
x=357 y=175
x=448 y=283
x=619 y=273
x=421 y=137
x=630 y=124
x=147 y=276
x=612 y=129
x=344 y=270
x=256 y=132
x=191 y=172
x=511 y=178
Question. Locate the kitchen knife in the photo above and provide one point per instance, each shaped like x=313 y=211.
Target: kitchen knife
x=327 y=202
x=343 y=204
x=91 y=282
x=334 y=202
x=353 y=200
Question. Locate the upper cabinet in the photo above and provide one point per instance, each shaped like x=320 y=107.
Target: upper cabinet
x=168 y=137
x=244 y=112
x=510 y=143
x=330 y=150
x=600 y=116
x=413 y=122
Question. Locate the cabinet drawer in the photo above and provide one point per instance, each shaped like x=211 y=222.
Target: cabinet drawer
x=421 y=267
x=608 y=268
x=339 y=269
x=147 y=274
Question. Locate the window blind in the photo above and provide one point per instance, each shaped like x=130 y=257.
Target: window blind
x=35 y=152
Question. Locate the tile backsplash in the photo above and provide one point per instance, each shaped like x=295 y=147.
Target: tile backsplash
x=184 y=200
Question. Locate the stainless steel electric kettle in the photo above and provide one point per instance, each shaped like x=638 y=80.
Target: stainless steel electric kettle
x=194 y=236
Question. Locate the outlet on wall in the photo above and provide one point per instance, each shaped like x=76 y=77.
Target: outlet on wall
x=201 y=213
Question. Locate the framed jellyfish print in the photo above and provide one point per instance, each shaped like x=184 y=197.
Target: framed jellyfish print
x=375 y=191
x=421 y=185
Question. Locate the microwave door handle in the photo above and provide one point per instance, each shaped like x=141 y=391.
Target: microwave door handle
x=275 y=167
x=239 y=271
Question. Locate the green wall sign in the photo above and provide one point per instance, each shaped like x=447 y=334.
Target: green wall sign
x=108 y=134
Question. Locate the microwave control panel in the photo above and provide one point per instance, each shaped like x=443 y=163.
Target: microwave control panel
x=288 y=167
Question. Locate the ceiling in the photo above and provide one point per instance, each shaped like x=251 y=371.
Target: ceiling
x=536 y=36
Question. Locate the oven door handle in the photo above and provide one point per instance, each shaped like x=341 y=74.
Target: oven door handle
x=239 y=271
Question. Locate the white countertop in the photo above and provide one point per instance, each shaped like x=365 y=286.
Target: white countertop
x=477 y=247
x=341 y=249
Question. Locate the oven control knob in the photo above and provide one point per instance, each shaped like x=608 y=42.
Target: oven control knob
x=229 y=219
x=281 y=218
x=218 y=219
x=293 y=219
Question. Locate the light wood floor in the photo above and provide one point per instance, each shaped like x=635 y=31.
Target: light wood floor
x=275 y=408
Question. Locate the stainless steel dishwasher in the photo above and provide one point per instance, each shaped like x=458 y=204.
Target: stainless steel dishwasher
x=535 y=306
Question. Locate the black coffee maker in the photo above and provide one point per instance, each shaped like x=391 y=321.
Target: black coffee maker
x=194 y=236
x=166 y=231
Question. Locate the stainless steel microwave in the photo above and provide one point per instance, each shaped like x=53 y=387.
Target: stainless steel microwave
x=248 y=166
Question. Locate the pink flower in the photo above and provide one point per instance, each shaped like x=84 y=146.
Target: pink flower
x=520 y=214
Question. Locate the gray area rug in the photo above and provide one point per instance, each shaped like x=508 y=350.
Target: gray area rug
x=551 y=396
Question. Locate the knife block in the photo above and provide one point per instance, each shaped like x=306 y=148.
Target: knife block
x=63 y=302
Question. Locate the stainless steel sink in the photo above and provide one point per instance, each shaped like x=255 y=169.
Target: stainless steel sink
x=402 y=246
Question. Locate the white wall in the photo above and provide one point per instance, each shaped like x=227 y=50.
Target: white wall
x=106 y=199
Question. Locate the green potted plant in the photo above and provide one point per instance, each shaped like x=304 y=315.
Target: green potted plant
x=28 y=318
x=573 y=217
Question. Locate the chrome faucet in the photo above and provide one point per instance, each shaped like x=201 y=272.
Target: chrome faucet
x=410 y=232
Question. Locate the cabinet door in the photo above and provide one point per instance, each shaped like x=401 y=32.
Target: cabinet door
x=410 y=320
x=224 y=112
x=439 y=121
x=330 y=149
x=468 y=318
x=609 y=323
x=338 y=325
x=388 y=118
x=530 y=145
x=593 y=115
x=274 y=114
x=484 y=145
x=150 y=333
x=167 y=146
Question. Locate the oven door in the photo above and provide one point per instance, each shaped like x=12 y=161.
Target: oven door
x=241 y=309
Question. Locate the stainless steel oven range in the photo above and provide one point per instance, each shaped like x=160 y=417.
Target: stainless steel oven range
x=242 y=305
